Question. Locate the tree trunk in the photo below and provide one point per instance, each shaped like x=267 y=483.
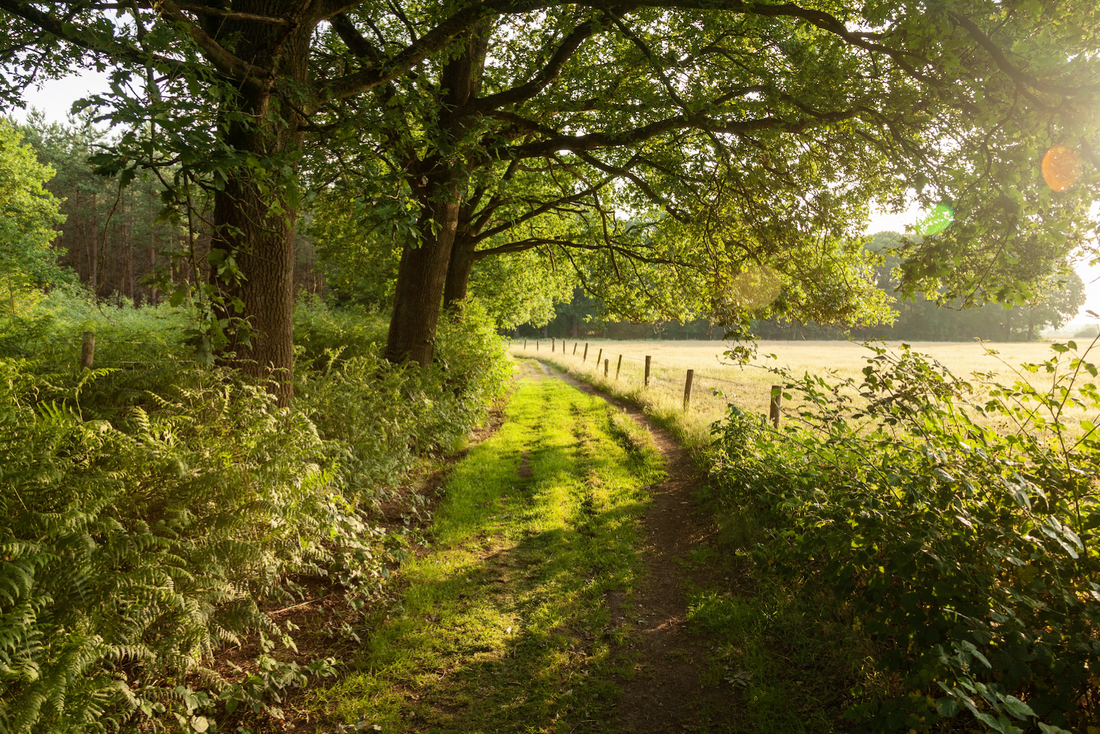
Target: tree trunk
x=252 y=227
x=261 y=245
x=420 y=280
x=93 y=256
x=458 y=274
x=424 y=270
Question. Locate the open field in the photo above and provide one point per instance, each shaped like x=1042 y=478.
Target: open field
x=718 y=382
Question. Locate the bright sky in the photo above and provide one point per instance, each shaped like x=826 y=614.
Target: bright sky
x=56 y=97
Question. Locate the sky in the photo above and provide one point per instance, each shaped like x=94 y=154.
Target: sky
x=55 y=99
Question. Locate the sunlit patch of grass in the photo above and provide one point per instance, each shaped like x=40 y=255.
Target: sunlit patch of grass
x=504 y=624
x=717 y=382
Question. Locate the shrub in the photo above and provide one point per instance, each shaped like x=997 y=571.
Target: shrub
x=1089 y=332
x=151 y=508
x=970 y=554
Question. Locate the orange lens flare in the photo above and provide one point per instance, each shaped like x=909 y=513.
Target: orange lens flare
x=1060 y=168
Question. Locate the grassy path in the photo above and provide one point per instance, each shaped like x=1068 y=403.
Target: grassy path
x=506 y=624
x=575 y=585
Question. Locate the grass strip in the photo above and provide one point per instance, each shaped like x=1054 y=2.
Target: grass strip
x=504 y=625
x=784 y=646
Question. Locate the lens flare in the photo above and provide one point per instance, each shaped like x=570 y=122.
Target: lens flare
x=1060 y=168
x=937 y=221
x=754 y=289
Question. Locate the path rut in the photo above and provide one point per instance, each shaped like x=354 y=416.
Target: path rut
x=666 y=694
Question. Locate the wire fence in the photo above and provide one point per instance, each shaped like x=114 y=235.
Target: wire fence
x=614 y=365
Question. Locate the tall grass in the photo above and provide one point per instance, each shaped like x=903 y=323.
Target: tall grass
x=718 y=382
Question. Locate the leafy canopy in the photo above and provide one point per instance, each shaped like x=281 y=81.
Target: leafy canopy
x=661 y=148
x=28 y=213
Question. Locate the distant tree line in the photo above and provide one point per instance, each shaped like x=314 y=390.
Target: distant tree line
x=922 y=318
x=128 y=242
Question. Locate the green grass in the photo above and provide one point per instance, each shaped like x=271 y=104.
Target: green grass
x=504 y=624
x=784 y=647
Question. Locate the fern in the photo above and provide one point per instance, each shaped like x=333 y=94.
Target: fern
x=145 y=513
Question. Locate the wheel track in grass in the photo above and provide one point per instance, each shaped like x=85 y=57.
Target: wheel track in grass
x=667 y=693
x=481 y=639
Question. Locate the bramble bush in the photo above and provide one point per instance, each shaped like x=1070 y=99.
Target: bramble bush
x=955 y=521
x=152 y=508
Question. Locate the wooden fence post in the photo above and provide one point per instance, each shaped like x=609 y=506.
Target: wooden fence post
x=606 y=367
x=87 y=349
x=687 y=389
x=585 y=359
x=574 y=349
x=618 y=367
x=525 y=345
x=646 y=383
x=599 y=357
x=536 y=345
x=777 y=399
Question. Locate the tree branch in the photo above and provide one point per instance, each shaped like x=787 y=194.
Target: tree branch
x=233 y=15
x=352 y=38
x=540 y=210
x=556 y=141
x=1016 y=74
x=532 y=242
x=217 y=55
x=548 y=74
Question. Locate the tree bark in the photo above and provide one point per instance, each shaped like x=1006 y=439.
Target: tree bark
x=458 y=273
x=420 y=280
x=251 y=227
x=424 y=271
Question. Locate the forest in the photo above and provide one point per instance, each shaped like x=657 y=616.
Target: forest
x=267 y=463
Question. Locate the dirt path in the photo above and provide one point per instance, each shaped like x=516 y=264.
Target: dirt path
x=667 y=695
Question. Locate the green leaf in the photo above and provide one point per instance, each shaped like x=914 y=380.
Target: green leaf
x=1051 y=729
x=947 y=706
x=1016 y=707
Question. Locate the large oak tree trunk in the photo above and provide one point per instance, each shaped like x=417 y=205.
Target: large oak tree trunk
x=252 y=226
x=423 y=272
x=458 y=274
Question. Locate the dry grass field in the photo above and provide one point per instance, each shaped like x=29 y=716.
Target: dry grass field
x=718 y=382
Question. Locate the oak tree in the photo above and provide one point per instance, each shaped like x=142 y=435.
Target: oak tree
x=28 y=213
x=676 y=144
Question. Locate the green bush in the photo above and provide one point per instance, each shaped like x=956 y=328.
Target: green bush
x=151 y=508
x=969 y=554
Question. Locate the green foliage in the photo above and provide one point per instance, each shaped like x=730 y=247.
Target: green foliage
x=114 y=238
x=1089 y=332
x=28 y=213
x=968 y=552
x=151 y=509
x=377 y=418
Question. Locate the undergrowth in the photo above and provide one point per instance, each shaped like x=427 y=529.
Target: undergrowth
x=152 y=509
x=968 y=557
x=943 y=572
